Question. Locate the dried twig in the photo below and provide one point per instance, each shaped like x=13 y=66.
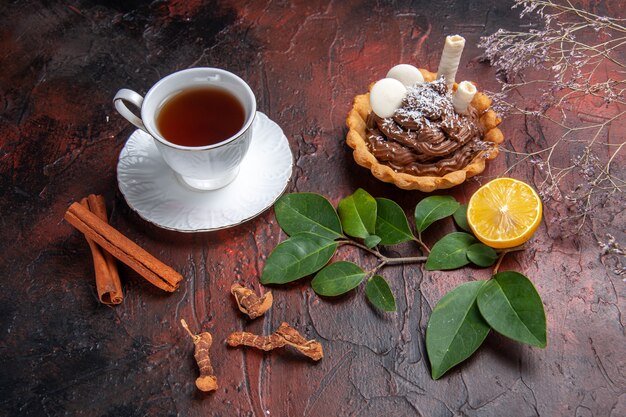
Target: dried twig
x=576 y=60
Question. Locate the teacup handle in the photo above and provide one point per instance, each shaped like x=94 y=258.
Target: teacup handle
x=134 y=98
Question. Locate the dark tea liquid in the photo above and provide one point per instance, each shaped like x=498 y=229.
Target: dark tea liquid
x=200 y=116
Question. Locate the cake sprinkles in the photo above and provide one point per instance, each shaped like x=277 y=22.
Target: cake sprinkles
x=427 y=125
x=422 y=130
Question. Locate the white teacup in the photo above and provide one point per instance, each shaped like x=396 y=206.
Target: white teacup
x=203 y=167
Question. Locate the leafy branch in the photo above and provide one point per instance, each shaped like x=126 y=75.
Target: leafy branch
x=458 y=325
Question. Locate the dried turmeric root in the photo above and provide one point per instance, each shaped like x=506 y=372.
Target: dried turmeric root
x=284 y=335
x=249 y=303
x=207 y=380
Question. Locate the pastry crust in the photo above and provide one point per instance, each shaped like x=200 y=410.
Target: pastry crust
x=357 y=140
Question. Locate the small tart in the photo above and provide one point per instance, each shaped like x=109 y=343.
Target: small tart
x=358 y=141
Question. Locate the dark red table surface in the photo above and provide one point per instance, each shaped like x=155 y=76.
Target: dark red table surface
x=63 y=353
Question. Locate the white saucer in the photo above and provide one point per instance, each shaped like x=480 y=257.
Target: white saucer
x=153 y=190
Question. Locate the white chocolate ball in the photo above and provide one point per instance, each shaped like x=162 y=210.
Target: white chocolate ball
x=406 y=74
x=386 y=97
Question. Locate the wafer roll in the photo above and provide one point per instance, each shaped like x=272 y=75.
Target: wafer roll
x=450 y=58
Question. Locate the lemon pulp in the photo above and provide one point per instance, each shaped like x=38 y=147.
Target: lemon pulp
x=504 y=213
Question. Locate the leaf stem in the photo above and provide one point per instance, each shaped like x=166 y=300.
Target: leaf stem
x=504 y=252
x=408 y=260
x=514 y=249
x=421 y=242
x=373 y=271
x=385 y=260
x=358 y=245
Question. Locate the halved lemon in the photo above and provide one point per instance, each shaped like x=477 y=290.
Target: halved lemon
x=504 y=213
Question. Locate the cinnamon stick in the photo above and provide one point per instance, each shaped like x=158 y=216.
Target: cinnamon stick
x=108 y=283
x=125 y=250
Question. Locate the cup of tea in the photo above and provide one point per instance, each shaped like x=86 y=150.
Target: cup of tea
x=200 y=120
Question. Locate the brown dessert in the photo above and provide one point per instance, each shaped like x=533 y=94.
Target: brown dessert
x=425 y=145
x=426 y=136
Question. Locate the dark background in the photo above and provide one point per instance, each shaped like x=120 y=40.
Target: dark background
x=63 y=353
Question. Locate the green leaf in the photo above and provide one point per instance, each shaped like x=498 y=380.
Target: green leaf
x=371 y=241
x=450 y=252
x=307 y=212
x=379 y=294
x=433 y=208
x=481 y=255
x=337 y=278
x=455 y=329
x=511 y=305
x=358 y=214
x=297 y=257
x=460 y=218
x=391 y=223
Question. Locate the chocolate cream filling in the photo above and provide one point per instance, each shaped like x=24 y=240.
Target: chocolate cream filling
x=425 y=136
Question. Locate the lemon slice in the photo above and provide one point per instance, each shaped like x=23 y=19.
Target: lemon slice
x=504 y=213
